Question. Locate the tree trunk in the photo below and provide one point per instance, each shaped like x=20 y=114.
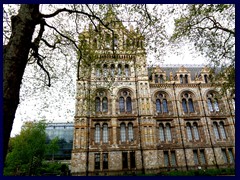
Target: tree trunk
x=15 y=59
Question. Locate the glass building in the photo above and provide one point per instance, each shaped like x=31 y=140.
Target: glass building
x=64 y=132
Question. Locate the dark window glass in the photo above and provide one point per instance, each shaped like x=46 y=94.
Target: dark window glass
x=129 y=104
x=121 y=104
x=184 y=105
x=190 y=105
x=105 y=104
x=97 y=102
x=105 y=160
x=132 y=160
x=124 y=160
x=97 y=161
x=158 y=106
x=165 y=107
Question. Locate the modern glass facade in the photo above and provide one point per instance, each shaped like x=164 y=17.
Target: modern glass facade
x=64 y=132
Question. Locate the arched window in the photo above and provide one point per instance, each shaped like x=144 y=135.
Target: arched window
x=210 y=107
x=184 y=105
x=123 y=132
x=98 y=72
x=119 y=69
x=97 y=133
x=101 y=101
x=125 y=101
x=108 y=41
x=165 y=108
x=189 y=132
x=186 y=79
x=222 y=130
x=187 y=103
x=161 y=132
x=215 y=129
x=168 y=132
x=156 y=78
x=130 y=132
x=121 y=104
x=195 y=131
x=127 y=72
x=112 y=70
x=212 y=102
x=181 y=79
x=205 y=78
x=216 y=105
x=129 y=104
x=97 y=102
x=105 y=133
x=161 y=79
x=158 y=106
x=161 y=103
x=105 y=70
x=105 y=104
x=190 y=105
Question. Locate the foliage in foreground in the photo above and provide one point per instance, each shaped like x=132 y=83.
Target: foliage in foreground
x=27 y=152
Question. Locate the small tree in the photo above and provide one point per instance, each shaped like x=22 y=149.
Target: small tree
x=27 y=150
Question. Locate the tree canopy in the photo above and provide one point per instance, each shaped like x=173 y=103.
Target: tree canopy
x=211 y=28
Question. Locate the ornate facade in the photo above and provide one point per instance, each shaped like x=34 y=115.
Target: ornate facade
x=131 y=118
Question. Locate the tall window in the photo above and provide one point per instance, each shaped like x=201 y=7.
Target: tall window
x=132 y=159
x=161 y=103
x=105 y=70
x=189 y=131
x=165 y=133
x=199 y=157
x=205 y=78
x=112 y=70
x=156 y=78
x=212 y=102
x=105 y=104
x=158 y=106
x=129 y=104
x=168 y=132
x=105 y=133
x=119 y=70
x=187 y=103
x=130 y=131
x=97 y=133
x=101 y=102
x=125 y=101
x=97 y=161
x=105 y=160
x=181 y=79
x=123 y=132
x=186 y=79
x=97 y=102
x=192 y=131
x=219 y=130
x=161 y=79
x=125 y=160
x=127 y=72
x=215 y=129
x=169 y=158
x=161 y=132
